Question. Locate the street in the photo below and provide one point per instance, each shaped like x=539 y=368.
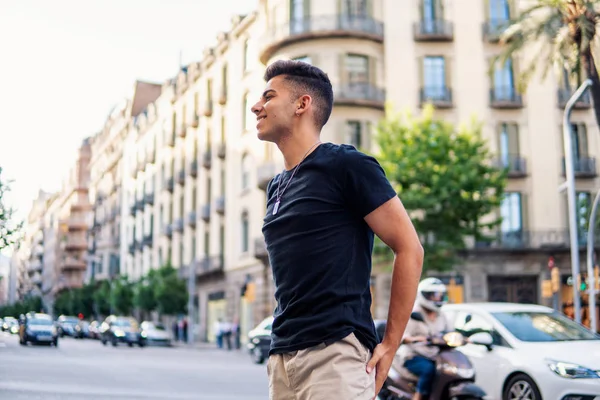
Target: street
x=80 y=369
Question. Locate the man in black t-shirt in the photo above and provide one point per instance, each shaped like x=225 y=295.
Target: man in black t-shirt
x=322 y=213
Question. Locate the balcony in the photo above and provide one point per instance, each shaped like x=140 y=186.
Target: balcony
x=205 y=213
x=208 y=265
x=178 y=225
x=433 y=31
x=260 y=249
x=505 y=98
x=193 y=168
x=147 y=240
x=131 y=248
x=220 y=205
x=74 y=263
x=492 y=30
x=439 y=97
x=133 y=209
x=77 y=224
x=170 y=141
x=168 y=230
x=139 y=245
x=150 y=158
x=222 y=151
x=207 y=108
x=182 y=131
x=362 y=94
x=319 y=27
x=181 y=177
x=195 y=121
x=522 y=240
x=584 y=167
x=149 y=198
x=139 y=204
x=192 y=218
x=515 y=164
x=76 y=244
x=206 y=159
x=169 y=184
x=264 y=174
x=584 y=102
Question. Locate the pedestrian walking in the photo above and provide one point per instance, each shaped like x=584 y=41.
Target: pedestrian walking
x=218 y=327
x=322 y=213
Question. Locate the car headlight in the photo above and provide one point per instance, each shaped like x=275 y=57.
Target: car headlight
x=119 y=333
x=572 y=371
x=256 y=340
x=466 y=373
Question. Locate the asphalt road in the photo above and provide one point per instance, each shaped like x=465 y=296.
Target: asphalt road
x=84 y=369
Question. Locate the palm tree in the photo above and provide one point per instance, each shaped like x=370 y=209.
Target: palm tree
x=562 y=35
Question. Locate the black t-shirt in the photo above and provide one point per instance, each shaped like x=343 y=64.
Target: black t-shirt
x=320 y=248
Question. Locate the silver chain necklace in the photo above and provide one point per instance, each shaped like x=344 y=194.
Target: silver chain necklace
x=279 y=193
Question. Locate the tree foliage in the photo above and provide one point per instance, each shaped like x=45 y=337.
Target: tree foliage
x=24 y=306
x=556 y=34
x=8 y=228
x=446 y=180
x=122 y=296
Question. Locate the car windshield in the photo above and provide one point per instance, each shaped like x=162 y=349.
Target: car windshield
x=543 y=327
x=41 y=321
x=122 y=322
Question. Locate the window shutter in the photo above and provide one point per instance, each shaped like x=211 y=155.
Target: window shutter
x=583 y=139
x=373 y=71
x=513 y=139
x=524 y=211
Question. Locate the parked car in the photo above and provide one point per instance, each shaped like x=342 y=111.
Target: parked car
x=259 y=341
x=537 y=353
x=10 y=325
x=121 y=330
x=38 y=328
x=155 y=334
x=66 y=325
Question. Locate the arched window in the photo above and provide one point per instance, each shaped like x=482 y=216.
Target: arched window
x=246 y=164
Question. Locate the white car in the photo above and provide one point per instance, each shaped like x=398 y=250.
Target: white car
x=537 y=353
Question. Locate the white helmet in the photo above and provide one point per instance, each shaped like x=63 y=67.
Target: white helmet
x=432 y=294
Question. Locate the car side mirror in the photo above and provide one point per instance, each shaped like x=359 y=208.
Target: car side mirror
x=482 y=339
x=417 y=316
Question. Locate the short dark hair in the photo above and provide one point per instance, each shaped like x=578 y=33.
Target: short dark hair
x=306 y=78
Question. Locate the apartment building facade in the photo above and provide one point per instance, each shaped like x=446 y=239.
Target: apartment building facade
x=441 y=52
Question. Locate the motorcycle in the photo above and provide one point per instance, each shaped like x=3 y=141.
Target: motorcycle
x=455 y=375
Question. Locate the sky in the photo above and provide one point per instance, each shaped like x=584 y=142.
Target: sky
x=65 y=63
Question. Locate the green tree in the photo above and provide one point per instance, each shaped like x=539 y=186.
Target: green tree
x=170 y=292
x=8 y=229
x=445 y=179
x=122 y=296
x=556 y=34
x=145 y=297
x=101 y=298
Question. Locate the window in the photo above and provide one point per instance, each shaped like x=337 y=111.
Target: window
x=245 y=171
x=223 y=180
x=508 y=143
x=355 y=8
x=543 y=327
x=357 y=69
x=305 y=59
x=511 y=211
x=245 y=233
x=354 y=132
x=579 y=141
x=504 y=88
x=298 y=15
x=434 y=78
x=469 y=324
x=206 y=243
x=222 y=129
x=224 y=80
x=221 y=240
x=499 y=12
x=431 y=12
x=247 y=55
x=248 y=115
x=193 y=255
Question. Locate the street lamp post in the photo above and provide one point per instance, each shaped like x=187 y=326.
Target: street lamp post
x=590 y=265
x=569 y=185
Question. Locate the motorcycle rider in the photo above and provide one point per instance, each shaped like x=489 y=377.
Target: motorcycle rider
x=419 y=358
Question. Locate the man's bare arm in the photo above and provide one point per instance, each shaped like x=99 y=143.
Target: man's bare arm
x=390 y=222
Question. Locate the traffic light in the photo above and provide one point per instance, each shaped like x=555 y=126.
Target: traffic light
x=581 y=283
x=555 y=277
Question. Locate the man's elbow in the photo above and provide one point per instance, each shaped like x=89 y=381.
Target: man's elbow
x=411 y=251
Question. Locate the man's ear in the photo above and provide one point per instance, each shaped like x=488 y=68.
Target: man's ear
x=303 y=103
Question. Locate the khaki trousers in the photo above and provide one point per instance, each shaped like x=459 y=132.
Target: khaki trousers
x=337 y=371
